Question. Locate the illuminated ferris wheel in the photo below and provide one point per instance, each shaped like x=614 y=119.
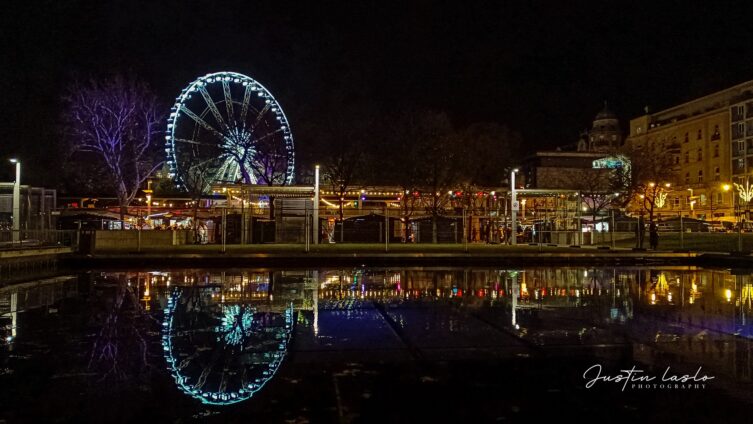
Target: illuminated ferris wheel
x=221 y=354
x=226 y=127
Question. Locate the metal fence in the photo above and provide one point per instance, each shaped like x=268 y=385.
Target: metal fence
x=16 y=239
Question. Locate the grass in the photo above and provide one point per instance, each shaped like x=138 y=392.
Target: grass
x=345 y=248
x=699 y=242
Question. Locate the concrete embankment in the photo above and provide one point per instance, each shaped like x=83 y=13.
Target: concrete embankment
x=513 y=257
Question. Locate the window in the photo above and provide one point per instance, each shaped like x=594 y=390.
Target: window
x=677 y=160
x=700 y=135
x=700 y=176
x=716 y=174
x=699 y=155
x=703 y=199
x=719 y=197
x=687 y=178
x=686 y=137
x=716 y=150
x=716 y=135
x=676 y=202
x=687 y=157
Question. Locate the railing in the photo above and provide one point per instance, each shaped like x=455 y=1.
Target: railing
x=20 y=239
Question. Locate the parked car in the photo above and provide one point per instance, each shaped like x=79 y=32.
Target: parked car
x=721 y=226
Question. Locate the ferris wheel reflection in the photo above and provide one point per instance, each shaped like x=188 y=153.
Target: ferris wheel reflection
x=222 y=351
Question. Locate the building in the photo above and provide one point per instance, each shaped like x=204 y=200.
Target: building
x=569 y=166
x=37 y=207
x=705 y=142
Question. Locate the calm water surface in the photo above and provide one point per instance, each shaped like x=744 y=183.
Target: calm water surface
x=377 y=345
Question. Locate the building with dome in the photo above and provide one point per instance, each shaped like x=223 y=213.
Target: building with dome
x=605 y=134
x=567 y=166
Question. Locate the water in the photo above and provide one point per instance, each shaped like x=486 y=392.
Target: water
x=377 y=345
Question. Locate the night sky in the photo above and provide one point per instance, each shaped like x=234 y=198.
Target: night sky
x=542 y=68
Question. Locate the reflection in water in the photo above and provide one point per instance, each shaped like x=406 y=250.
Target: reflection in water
x=224 y=334
x=222 y=352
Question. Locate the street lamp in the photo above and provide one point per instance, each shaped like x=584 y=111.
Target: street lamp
x=514 y=207
x=316 y=206
x=692 y=201
x=17 y=201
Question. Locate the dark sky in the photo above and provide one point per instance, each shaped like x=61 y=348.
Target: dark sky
x=542 y=68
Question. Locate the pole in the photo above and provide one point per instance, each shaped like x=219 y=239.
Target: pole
x=513 y=209
x=386 y=229
x=316 y=205
x=682 y=233
x=17 y=202
x=307 y=233
x=611 y=227
x=138 y=223
x=580 y=224
x=224 y=228
x=465 y=234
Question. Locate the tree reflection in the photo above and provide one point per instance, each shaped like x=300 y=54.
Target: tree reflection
x=120 y=349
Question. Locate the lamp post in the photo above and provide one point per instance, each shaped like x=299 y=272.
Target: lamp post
x=316 y=205
x=17 y=201
x=514 y=208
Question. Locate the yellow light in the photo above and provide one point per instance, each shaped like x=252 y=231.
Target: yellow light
x=651 y=184
x=728 y=295
x=667 y=185
x=726 y=187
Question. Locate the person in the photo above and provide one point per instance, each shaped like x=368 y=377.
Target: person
x=640 y=230
x=653 y=235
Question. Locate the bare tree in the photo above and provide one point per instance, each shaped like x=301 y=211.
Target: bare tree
x=119 y=122
x=437 y=157
x=651 y=174
x=344 y=151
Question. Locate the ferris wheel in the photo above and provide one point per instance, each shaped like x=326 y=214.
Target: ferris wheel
x=222 y=354
x=226 y=127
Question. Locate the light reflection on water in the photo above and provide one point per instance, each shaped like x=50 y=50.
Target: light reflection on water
x=224 y=334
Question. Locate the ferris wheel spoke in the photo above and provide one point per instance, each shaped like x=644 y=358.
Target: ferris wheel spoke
x=261 y=114
x=246 y=101
x=228 y=100
x=202 y=163
x=213 y=109
x=204 y=124
x=223 y=383
x=186 y=141
x=266 y=136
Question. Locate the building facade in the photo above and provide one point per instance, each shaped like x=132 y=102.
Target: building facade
x=705 y=144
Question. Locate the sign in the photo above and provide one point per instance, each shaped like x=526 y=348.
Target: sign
x=516 y=206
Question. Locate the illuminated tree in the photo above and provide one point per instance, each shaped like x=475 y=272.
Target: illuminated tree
x=651 y=174
x=117 y=121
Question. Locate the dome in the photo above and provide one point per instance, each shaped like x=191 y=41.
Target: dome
x=605 y=113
